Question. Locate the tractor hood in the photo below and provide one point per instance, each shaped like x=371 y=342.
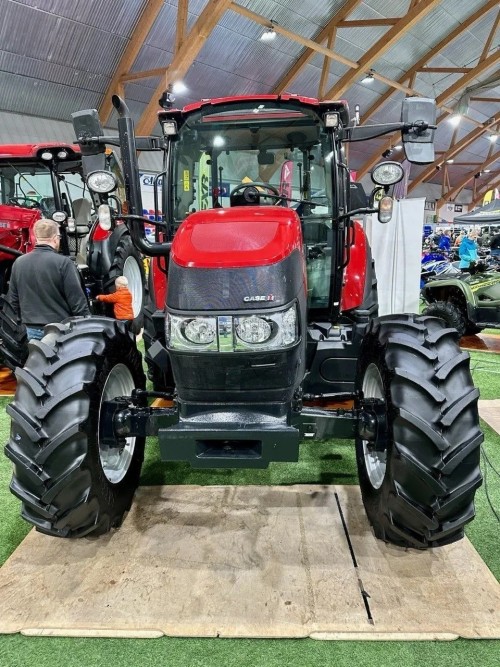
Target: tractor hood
x=237 y=237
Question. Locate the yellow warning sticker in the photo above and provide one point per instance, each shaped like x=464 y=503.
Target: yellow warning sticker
x=186 y=180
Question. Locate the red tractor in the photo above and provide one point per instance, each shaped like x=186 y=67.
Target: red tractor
x=46 y=180
x=264 y=330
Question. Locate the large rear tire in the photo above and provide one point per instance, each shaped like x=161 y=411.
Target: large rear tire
x=13 y=341
x=71 y=484
x=418 y=476
x=128 y=262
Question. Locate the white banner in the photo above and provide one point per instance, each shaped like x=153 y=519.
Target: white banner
x=397 y=251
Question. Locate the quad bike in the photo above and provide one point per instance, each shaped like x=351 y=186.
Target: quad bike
x=468 y=303
x=46 y=180
x=263 y=323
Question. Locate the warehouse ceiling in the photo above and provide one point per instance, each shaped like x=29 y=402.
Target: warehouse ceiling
x=58 y=56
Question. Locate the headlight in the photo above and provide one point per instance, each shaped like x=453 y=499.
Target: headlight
x=200 y=331
x=387 y=173
x=238 y=333
x=59 y=216
x=101 y=182
x=188 y=333
x=253 y=329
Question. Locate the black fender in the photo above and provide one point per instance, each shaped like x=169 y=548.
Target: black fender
x=101 y=254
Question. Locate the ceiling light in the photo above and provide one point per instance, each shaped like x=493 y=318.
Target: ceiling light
x=269 y=34
x=455 y=119
x=493 y=137
x=368 y=78
x=179 y=87
x=450 y=161
x=398 y=147
x=486 y=171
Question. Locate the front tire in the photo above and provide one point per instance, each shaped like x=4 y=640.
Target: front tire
x=450 y=313
x=419 y=474
x=69 y=483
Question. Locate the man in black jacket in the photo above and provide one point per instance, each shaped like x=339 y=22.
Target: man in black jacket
x=45 y=286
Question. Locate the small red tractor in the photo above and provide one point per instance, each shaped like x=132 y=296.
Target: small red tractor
x=46 y=180
x=263 y=332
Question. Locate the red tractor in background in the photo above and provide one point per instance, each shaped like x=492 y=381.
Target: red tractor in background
x=263 y=332
x=46 y=180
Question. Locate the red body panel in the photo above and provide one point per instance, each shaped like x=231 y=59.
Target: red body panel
x=355 y=272
x=159 y=281
x=32 y=150
x=257 y=98
x=340 y=105
x=237 y=237
x=15 y=225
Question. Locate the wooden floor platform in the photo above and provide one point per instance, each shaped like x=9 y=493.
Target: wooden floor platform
x=248 y=561
x=7 y=382
x=481 y=342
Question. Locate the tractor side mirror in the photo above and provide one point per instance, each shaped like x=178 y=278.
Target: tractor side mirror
x=87 y=126
x=419 y=117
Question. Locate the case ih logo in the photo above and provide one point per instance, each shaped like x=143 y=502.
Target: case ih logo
x=269 y=297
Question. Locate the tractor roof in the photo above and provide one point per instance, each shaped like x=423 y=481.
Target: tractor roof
x=34 y=150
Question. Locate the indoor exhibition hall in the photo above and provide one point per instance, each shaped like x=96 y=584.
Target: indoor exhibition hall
x=250 y=333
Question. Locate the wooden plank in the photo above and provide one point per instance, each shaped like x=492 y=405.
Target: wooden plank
x=251 y=561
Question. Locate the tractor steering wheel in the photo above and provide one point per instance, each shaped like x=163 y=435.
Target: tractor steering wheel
x=21 y=201
x=254 y=194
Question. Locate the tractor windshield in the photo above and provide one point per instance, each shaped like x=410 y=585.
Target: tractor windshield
x=268 y=145
x=269 y=155
x=26 y=184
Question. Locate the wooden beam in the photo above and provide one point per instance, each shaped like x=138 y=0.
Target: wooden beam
x=183 y=60
x=412 y=72
x=314 y=46
x=440 y=101
x=380 y=47
x=309 y=43
x=145 y=74
x=180 y=33
x=144 y=24
x=367 y=23
x=321 y=37
x=490 y=185
x=491 y=36
x=485 y=99
x=484 y=65
x=326 y=64
x=446 y=70
x=453 y=192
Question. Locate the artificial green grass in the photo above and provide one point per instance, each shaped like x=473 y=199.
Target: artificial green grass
x=320 y=463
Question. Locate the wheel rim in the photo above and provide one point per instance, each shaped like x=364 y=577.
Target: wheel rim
x=375 y=462
x=132 y=273
x=115 y=461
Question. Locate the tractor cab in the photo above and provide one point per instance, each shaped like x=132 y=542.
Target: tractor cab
x=43 y=180
x=261 y=154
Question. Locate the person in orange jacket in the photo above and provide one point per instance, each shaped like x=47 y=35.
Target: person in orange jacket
x=121 y=300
